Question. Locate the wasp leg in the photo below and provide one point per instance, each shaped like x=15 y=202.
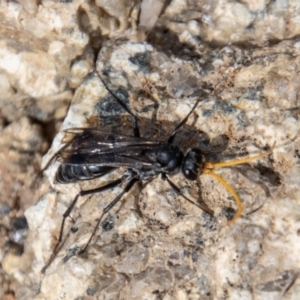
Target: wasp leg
x=69 y=210
x=208 y=170
x=231 y=191
x=203 y=206
x=136 y=130
x=109 y=207
x=172 y=136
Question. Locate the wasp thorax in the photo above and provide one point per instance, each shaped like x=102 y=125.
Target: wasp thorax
x=192 y=164
x=169 y=156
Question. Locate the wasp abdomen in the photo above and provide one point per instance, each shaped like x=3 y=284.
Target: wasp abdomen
x=74 y=173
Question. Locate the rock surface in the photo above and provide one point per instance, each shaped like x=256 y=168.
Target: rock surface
x=154 y=244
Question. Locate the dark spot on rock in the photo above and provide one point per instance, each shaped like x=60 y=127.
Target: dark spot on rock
x=200 y=241
x=142 y=61
x=195 y=256
x=108 y=224
x=4 y=209
x=207 y=112
x=148 y=108
x=74 y=229
x=15 y=248
x=90 y=291
x=174 y=255
x=272 y=176
x=20 y=223
x=72 y=252
x=229 y=213
x=225 y=107
x=110 y=106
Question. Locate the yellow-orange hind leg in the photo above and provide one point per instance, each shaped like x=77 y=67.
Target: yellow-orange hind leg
x=208 y=167
x=231 y=191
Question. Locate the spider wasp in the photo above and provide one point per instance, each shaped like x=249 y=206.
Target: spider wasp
x=90 y=153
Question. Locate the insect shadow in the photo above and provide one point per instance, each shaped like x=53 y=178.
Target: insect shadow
x=90 y=153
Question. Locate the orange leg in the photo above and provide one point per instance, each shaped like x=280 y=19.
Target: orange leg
x=208 y=167
x=231 y=191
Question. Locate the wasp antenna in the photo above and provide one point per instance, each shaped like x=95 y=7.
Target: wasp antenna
x=172 y=136
x=231 y=191
x=211 y=166
x=135 y=124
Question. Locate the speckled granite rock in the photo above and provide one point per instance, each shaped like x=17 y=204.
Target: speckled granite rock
x=21 y=144
x=156 y=245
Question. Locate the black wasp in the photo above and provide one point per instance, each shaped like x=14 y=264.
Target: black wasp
x=89 y=153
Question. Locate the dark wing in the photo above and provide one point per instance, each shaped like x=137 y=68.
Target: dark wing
x=95 y=147
x=212 y=146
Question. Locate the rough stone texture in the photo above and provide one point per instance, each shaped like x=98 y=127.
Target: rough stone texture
x=21 y=146
x=154 y=245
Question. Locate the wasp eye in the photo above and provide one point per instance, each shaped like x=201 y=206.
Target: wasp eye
x=190 y=174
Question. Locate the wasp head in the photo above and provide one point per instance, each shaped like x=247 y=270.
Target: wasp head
x=192 y=164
